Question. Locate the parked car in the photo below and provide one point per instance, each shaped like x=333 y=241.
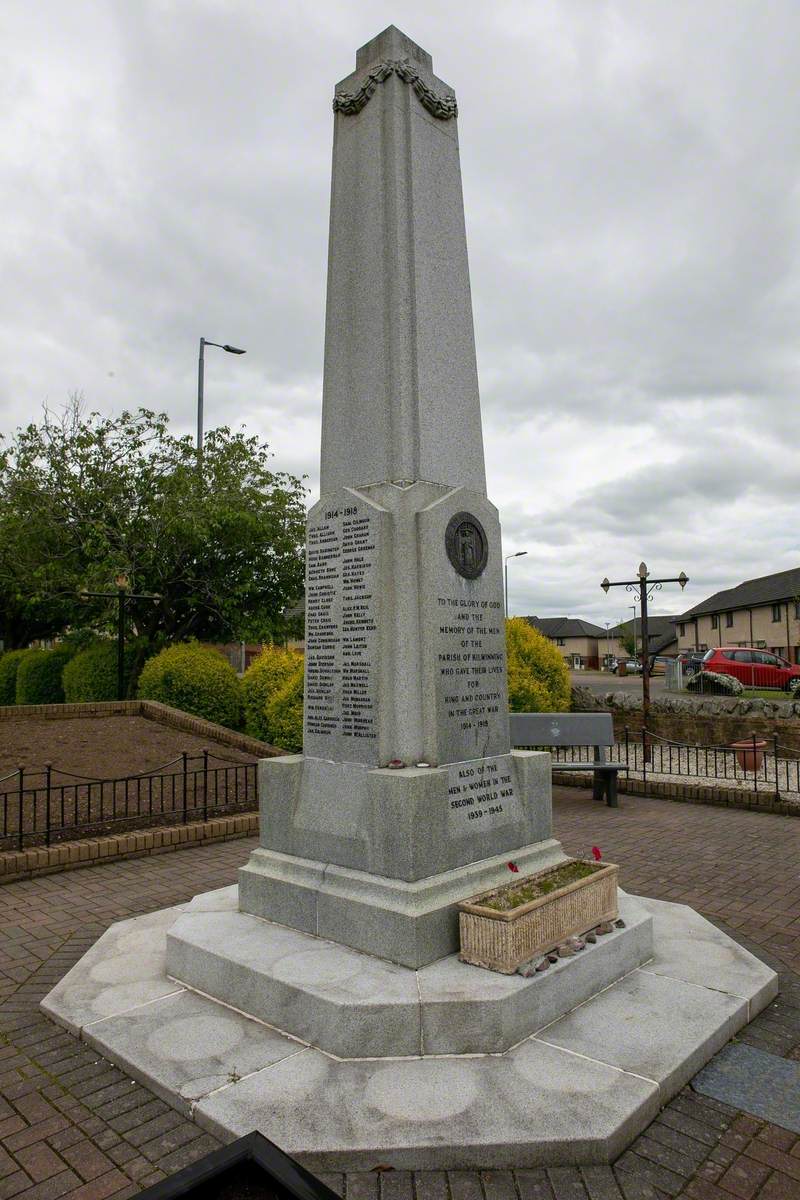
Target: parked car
x=659 y=664
x=632 y=667
x=691 y=660
x=754 y=668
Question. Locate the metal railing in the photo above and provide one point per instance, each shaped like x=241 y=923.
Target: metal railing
x=761 y=763
x=41 y=806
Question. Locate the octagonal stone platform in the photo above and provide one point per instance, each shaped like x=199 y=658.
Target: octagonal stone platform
x=576 y=1088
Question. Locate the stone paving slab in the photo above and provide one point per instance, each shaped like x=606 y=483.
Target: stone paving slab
x=758 y=1082
x=124 y=969
x=537 y=1104
x=657 y=1027
x=185 y=1046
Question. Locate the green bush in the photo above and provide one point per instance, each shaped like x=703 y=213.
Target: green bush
x=284 y=714
x=92 y=673
x=265 y=676
x=195 y=679
x=538 y=677
x=9 y=665
x=39 y=676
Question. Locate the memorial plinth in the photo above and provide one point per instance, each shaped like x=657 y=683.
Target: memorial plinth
x=321 y=1000
x=405 y=637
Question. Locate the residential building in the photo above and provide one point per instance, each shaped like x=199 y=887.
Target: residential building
x=577 y=640
x=763 y=612
x=662 y=637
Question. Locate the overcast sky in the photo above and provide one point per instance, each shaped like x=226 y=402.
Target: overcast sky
x=632 y=189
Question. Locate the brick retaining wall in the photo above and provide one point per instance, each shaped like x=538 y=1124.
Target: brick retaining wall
x=67 y=856
x=687 y=793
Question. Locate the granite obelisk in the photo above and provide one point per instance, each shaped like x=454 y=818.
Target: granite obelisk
x=407 y=796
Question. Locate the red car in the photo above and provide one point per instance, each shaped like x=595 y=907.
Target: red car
x=755 y=668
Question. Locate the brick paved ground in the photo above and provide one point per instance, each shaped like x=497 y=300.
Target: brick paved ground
x=72 y=1125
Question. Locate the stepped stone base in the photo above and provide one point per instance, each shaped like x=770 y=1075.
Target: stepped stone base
x=577 y=1088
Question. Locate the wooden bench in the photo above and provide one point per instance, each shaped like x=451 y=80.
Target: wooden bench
x=546 y=730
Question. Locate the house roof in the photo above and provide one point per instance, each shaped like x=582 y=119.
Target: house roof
x=768 y=589
x=661 y=632
x=565 y=627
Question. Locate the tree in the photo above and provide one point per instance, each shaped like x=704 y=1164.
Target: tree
x=83 y=498
x=628 y=638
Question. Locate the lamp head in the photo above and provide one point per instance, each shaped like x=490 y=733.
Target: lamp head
x=234 y=350
x=520 y=553
x=605 y=585
x=683 y=579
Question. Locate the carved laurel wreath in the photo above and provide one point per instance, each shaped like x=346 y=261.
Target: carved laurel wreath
x=350 y=103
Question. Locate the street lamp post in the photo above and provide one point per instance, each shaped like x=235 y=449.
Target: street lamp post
x=519 y=554
x=121 y=594
x=646 y=587
x=200 y=372
x=608 y=645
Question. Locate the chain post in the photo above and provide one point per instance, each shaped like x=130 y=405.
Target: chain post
x=48 y=770
x=21 y=793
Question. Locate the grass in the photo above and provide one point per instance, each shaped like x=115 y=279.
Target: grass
x=513 y=895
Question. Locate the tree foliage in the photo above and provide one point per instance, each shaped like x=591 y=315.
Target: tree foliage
x=538 y=677
x=85 y=497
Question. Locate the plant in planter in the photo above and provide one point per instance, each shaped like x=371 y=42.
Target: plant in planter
x=507 y=926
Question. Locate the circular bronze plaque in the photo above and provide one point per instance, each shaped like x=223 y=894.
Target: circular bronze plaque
x=466 y=544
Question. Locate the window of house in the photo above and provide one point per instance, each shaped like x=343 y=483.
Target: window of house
x=797 y=610
x=682 y=627
x=559 y=641
x=715 y=622
x=776 y=612
x=729 y=620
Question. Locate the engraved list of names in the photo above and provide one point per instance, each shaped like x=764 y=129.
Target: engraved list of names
x=341 y=632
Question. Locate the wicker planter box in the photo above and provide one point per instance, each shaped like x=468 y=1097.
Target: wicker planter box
x=502 y=941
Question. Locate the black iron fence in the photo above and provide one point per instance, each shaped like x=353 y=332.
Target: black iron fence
x=44 y=806
x=758 y=764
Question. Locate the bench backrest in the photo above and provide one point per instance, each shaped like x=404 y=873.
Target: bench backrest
x=562 y=729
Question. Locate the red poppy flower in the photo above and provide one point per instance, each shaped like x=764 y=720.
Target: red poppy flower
x=596 y=855
x=513 y=867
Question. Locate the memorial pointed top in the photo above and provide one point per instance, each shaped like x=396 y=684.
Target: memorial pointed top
x=400 y=392
x=391 y=44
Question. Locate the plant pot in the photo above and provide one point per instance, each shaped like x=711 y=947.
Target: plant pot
x=749 y=754
x=503 y=940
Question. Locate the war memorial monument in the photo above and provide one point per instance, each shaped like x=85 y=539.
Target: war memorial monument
x=322 y=1000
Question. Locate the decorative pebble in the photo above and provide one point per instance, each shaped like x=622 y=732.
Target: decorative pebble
x=577 y=943
x=396 y=764
x=526 y=970
x=591 y=937
x=606 y=927
x=423 y=764
x=543 y=965
x=552 y=958
x=620 y=924
x=566 y=951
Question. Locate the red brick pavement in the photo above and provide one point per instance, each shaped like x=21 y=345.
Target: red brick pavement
x=73 y=1126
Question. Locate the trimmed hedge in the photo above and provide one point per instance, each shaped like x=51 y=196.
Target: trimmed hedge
x=262 y=680
x=9 y=665
x=39 y=676
x=538 y=677
x=195 y=679
x=284 y=714
x=92 y=673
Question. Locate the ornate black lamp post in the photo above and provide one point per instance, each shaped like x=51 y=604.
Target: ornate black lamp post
x=120 y=595
x=646 y=587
